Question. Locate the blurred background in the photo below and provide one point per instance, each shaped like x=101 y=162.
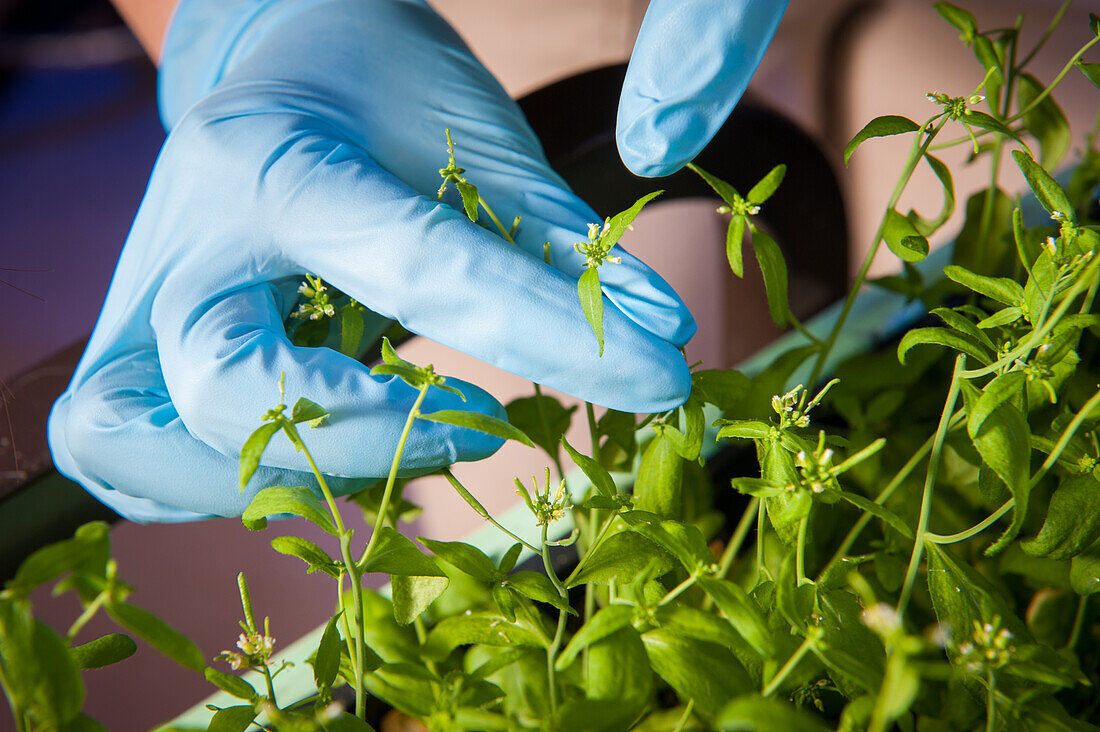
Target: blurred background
x=79 y=134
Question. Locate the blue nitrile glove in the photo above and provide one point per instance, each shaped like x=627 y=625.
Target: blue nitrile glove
x=306 y=136
x=691 y=63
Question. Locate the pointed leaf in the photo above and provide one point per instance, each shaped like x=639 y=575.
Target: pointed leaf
x=965 y=325
x=1001 y=289
x=253 y=449
x=976 y=118
x=958 y=17
x=601 y=480
x=306 y=411
x=606 y=621
x=591 y=297
x=412 y=595
x=351 y=330
x=396 y=555
x=724 y=190
x=903 y=238
x=742 y=612
x=158 y=634
x=621 y=557
x=468 y=191
x=232 y=685
x=658 y=487
x=1072 y=523
x=880 y=127
x=705 y=672
x=620 y=222
x=480 y=422
x=998 y=391
x=774 y=270
x=489 y=629
x=232 y=719
x=280 y=499
x=59 y=685
x=53 y=560
x=1045 y=188
x=763 y=190
x=104 y=651
x=327 y=661
x=1091 y=71
x=744 y=429
x=469 y=559
x=538 y=587
x=941 y=337
x=308 y=552
x=735 y=237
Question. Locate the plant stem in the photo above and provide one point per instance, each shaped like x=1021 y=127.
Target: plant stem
x=761 y=514
x=1057 y=80
x=738 y=539
x=973 y=530
x=789 y=666
x=1078 y=622
x=593 y=521
x=685 y=716
x=1054 y=23
x=895 y=665
x=917 y=150
x=559 y=634
x=500 y=227
x=679 y=589
x=929 y=484
x=16 y=712
x=481 y=510
x=85 y=616
x=800 y=551
x=991 y=704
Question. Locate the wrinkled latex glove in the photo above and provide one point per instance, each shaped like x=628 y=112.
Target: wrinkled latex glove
x=690 y=66
x=306 y=136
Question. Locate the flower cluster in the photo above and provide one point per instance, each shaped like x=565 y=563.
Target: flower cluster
x=547 y=510
x=989 y=649
x=319 y=305
x=255 y=649
x=792 y=407
x=595 y=251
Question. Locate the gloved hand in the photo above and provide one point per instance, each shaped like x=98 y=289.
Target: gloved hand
x=690 y=66
x=306 y=136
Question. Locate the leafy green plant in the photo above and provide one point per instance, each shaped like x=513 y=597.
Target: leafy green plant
x=918 y=540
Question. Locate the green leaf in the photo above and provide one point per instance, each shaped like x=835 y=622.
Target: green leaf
x=104 y=651
x=232 y=719
x=390 y=357
x=880 y=127
x=480 y=422
x=774 y=270
x=723 y=388
x=91 y=541
x=705 y=672
x=735 y=239
x=1072 y=523
x=327 y=660
x=308 y=552
x=983 y=243
x=158 y=634
x=469 y=559
x=690 y=622
x=508 y=561
x=591 y=297
x=763 y=190
x=295 y=500
x=230 y=684
x=1094 y=24
x=83 y=723
x=601 y=480
x=1046 y=122
x=852 y=653
x=786 y=509
x=608 y=620
x=397 y=555
x=412 y=595
x=998 y=391
x=1091 y=71
x=724 y=190
x=59 y=686
x=897 y=523
x=489 y=629
x=542 y=418
x=621 y=557
x=1045 y=188
x=254 y=448
x=658 y=487
x=941 y=337
x=753 y=713
x=1084 y=571
x=744 y=429
x=351 y=330
x=619 y=672
x=346 y=722
x=759 y=487
x=927 y=227
x=306 y=411
x=620 y=222
x=468 y=191
x=958 y=17
x=903 y=238
x=1001 y=289
x=963 y=324
x=991 y=57
x=683 y=541
x=742 y=612
x=976 y=118
x=538 y=587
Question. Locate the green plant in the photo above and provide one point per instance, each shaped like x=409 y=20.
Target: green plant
x=861 y=587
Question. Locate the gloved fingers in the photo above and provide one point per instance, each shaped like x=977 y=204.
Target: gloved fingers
x=427 y=266
x=223 y=373
x=118 y=434
x=692 y=61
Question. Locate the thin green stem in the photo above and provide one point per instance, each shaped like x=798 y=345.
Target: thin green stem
x=679 y=589
x=740 y=533
x=593 y=522
x=895 y=667
x=85 y=616
x=973 y=530
x=991 y=704
x=500 y=227
x=929 y=485
x=1057 y=80
x=916 y=152
x=685 y=716
x=790 y=665
x=1054 y=23
x=1078 y=622
x=481 y=510
x=559 y=633
x=761 y=514
x=800 y=551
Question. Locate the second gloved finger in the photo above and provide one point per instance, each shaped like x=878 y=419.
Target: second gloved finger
x=691 y=63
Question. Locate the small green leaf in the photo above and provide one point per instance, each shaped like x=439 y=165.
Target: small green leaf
x=658 y=487
x=941 y=337
x=753 y=713
x=1046 y=122
x=90 y=542
x=538 y=587
x=880 y=127
x=351 y=330
x=306 y=411
x=763 y=190
x=327 y=661
x=774 y=270
x=390 y=357
x=412 y=595
x=1084 y=571
x=596 y=473
x=104 y=651
x=759 y=487
x=605 y=622
x=396 y=555
x=542 y=418
x=1072 y=523
x=965 y=325
x=723 y=388
x=926 y=227
x=880 y=512
x=1001 y=289
x=985 y=121
x=59 y=685
x=735 y=238
x=468 y=191
x=705 y=672
x=469 y=559
x=591 y=297
x=620 y=222
x=254 y=448
x=295 y=500
x=621 y=557
x=903 y=238
x=1001 y=389
x=683 y=541
x=1091 y=71
x=619 y=673
x=744 y=429
x=724 y=190
x=1094 y=24
x=490 y=629
x=1045 y=188
x=232 y=719
x=508 y=561
x=480 y=422
x=962 y=19
x=158 y=634
x=308 y=552
x=230 y=684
